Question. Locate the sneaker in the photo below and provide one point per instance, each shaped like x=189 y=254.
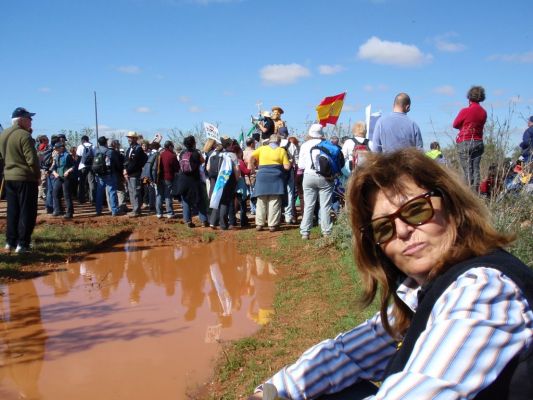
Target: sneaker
x=190 y=224
x=134 y=215
x=259 y=228
x=213 y=227
x=305 y=236
x=8 y=247
x=272 y=228
x=159 y=216
x=169 y=216
x=22 y=249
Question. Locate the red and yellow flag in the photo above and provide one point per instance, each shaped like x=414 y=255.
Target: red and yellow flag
x=330 y=108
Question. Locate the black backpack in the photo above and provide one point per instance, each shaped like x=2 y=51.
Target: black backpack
x=87 y=158
x=215 y=162
x=99 y=164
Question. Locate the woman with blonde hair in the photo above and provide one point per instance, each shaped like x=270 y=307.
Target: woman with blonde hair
x=455 y=319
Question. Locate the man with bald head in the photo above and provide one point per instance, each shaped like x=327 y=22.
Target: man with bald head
x=397 y=131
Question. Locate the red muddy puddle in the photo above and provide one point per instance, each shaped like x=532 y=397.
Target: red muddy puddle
x=133 y=322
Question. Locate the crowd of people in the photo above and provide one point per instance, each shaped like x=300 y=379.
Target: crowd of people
x=455 y=317
x=225 y=181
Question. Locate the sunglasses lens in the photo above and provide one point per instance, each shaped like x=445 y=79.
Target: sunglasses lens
x=417 y=212
x=382 y=230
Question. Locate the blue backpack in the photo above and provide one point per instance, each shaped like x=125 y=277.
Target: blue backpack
x=327 y=159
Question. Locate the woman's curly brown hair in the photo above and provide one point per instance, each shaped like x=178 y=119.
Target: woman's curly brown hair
x=476 y=94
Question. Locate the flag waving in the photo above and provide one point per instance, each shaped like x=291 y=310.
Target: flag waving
x=330 y=108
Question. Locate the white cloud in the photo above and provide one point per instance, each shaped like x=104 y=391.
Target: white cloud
x=351 y=107
x=195 y=109
x=184 y=99
x=129 y=69
x=392 y=53
x=330 y=69
x=444 y=43
x=379 y=88
x=519 y=58
x=283 y=74
x=445 y=90
x=44 y=90
x=143 y=110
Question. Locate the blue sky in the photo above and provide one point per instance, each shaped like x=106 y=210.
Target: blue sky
x=162 y=64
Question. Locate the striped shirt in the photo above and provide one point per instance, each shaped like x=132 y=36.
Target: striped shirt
x=475 y=328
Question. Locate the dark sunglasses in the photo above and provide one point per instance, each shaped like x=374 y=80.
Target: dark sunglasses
x=417 y=211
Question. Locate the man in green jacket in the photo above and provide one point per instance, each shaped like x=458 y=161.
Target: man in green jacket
x=21 y=175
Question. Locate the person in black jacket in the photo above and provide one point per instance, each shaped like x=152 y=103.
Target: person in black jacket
x=106 y=166
x=133 y=165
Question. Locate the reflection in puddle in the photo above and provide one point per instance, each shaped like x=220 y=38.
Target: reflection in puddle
x=132 y=322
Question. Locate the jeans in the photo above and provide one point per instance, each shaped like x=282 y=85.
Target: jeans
x=163 y=192
x=470 y=153
x=134 y=189
x=290 y=210
x=315 y=186
x=21 y=199
x=109 y=183
x=62 y=183
x=202 y=211
x=50 y=193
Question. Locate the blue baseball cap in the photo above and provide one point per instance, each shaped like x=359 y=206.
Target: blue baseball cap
x=21 y=112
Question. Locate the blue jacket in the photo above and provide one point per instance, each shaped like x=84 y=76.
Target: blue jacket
x=527 y=142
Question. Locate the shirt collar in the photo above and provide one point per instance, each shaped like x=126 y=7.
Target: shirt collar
x=408 y=293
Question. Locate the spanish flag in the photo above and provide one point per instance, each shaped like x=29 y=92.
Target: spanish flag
x=330 y=108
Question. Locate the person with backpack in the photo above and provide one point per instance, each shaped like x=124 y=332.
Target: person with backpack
x=190 y=186
x=106 y=167
x=357 y=147
x=133 y=165
x=224 y=215
x=292 y=153
x=87 y=182
x=320 y=170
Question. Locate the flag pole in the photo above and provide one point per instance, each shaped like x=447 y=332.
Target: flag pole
x=96 y=115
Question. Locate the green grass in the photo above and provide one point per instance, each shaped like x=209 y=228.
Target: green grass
x=316 y=298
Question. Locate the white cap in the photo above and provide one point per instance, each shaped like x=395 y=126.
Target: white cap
x=315 y=131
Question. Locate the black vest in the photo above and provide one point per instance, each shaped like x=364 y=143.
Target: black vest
x=515 y=382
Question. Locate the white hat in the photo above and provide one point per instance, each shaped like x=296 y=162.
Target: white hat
x=315 y=131
x=266 y=114
x=132 y=134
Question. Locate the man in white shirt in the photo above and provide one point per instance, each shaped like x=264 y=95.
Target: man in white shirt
x=314 y=186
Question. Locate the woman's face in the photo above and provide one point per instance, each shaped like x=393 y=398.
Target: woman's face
x=415 y=250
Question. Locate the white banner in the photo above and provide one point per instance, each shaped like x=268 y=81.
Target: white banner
x=211 y=131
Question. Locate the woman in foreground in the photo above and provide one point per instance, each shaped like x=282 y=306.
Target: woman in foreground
x=455 y=318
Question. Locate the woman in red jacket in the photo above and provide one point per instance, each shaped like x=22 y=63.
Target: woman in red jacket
x=470 y=122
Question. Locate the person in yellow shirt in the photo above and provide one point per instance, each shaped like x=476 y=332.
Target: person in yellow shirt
x=270 y=184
